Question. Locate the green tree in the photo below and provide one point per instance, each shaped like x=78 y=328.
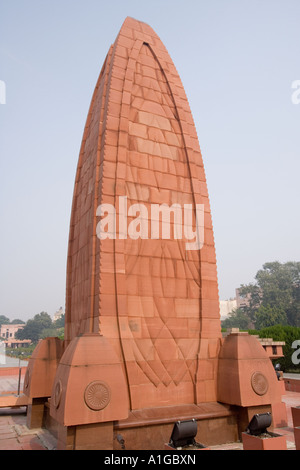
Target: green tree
x=252 y=294
x=4 y=320
x=60 y=323
x=236 y=319
x=17 y=322
x=57 y=329
x=46 y=332
x=34 y=327
x=275 y=297
x=267 y=316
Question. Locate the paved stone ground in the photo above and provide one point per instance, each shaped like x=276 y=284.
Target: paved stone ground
x=14 y=434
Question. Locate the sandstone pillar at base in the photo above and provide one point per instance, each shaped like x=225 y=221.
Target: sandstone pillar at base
x=97 y=436
x=297 y=437
x=245 y=414
x=35 y=413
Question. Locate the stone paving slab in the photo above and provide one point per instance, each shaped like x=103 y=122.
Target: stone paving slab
x=11 y=422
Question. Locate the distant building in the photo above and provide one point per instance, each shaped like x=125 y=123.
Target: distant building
x=242 y=301
x=226 y=307
x=8 y=332
x=17 y=343
x=58 y=314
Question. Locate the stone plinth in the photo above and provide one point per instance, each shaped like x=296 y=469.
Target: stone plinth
x=296 y=416
x=90 y=384
x=273 y=442
x=39 y=377
x=246 y=376
x=247 y=379
x=297 y=437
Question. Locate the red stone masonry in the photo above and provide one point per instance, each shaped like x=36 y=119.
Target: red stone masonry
x=156 y=302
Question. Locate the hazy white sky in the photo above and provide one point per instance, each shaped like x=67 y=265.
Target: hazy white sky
x=237 y=60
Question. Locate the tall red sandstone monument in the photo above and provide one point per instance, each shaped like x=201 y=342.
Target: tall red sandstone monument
x=156 y=302
x=142 y=330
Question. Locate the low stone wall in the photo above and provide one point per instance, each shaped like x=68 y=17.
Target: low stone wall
x=292 y=385
x=7 y=371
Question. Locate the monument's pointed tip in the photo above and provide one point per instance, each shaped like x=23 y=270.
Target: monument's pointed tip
x=133 y=23
x=131 y=20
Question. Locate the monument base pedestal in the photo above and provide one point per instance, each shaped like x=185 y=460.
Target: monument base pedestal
x=150 y=429
x=97 y=436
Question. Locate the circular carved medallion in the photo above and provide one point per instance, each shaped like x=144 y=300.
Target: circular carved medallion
x=97 y=395
x=259 y=383
x=57 y=394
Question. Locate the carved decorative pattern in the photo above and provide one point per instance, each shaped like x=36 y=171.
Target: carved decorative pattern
x=259 y=383
x=97 y=395
x=163 y=293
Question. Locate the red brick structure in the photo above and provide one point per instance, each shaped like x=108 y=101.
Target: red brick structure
x=142 y=328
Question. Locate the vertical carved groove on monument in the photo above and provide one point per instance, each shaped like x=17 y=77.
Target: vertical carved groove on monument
x=196 y=273
x=74 y=258
x=112 y=103
x=94 y=308
x=81 y=255
x=163 y=286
